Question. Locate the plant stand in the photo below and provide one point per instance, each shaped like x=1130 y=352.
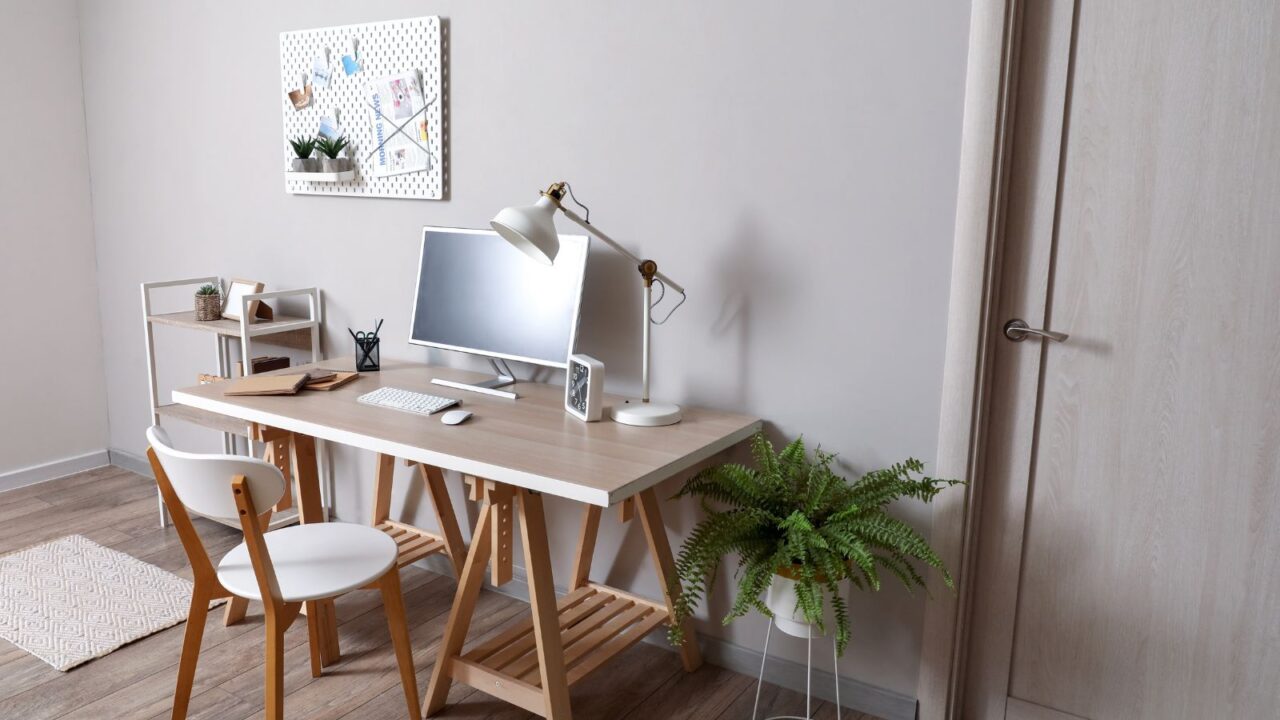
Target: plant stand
x=808 y=679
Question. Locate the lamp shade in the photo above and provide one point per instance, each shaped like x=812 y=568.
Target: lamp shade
x=531 y=228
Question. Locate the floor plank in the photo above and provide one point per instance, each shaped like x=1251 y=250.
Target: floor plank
x=774 y=700
x=703 y=694
x=117 y=508
x=68 y=483
x=21 y=508
x=121 y=483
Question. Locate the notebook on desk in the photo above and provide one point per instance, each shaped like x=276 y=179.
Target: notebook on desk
x=330 y=379
x=267 y=385
x=314 y=377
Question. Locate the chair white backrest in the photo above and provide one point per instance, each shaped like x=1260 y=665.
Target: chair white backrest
x=203 y=482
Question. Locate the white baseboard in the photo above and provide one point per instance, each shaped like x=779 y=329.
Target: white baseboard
x=854 y=694
x=128 y=461
x=53 y=470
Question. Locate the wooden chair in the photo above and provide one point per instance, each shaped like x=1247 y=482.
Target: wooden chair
x=284 y=569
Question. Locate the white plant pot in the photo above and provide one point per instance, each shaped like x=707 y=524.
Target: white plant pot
x=781 y=600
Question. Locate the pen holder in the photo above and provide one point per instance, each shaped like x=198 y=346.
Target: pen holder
x=367 y=355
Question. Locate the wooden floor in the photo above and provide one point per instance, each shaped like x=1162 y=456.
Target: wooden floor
x=117 y=508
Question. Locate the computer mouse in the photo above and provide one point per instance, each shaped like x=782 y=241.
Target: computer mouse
x=455 y=417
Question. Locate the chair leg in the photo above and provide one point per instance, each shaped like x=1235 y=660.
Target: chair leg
x=274 y=695
x=314 y=642
x=331 y=652
x=196 y=618
x=393 y=604
x=235 y=611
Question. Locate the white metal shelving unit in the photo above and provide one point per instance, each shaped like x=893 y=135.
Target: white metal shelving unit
x=301 y=333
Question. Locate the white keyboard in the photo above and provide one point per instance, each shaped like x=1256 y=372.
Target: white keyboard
x=414 y=402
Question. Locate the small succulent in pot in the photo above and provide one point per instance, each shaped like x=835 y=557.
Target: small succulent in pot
x=208 y=303
x=303 y=147
x=330 y=148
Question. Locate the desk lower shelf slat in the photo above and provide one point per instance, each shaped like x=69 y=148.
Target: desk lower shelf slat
x=413 y=543
x=596 y=624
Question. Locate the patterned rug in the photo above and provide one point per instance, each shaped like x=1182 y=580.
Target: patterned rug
x=72 y=600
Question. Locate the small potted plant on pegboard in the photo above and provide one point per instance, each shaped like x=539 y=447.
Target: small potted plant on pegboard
x=330 y=149
x=208 y=303
x=303 y=147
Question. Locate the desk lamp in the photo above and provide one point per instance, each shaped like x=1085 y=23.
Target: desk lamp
x=532 y=229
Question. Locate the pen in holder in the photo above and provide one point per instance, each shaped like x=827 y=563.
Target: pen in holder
x=367 y=353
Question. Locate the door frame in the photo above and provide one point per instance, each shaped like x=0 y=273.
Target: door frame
x=995 y=34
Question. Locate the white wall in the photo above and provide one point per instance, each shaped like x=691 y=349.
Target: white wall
x=793 y=164
x=52 y=395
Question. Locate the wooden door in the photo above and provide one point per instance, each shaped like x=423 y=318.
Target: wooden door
x=1128 y=555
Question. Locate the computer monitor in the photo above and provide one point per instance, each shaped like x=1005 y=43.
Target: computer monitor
x=476 y=293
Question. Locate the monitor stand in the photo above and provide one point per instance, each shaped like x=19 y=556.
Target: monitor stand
x=488 y=387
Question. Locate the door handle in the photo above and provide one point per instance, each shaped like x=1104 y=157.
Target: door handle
x=1018 y=330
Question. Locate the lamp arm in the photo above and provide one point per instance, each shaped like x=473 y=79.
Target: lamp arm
x=617 y=246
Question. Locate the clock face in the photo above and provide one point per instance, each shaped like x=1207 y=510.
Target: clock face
x=579 y=375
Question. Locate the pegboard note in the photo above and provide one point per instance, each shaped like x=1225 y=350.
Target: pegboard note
x=382 y=50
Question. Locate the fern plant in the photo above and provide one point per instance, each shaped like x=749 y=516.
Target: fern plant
x=207 y=289
x=303 y=146
x=794 y=514
x=330 y=147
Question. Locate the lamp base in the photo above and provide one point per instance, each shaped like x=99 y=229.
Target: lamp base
x=641 y=414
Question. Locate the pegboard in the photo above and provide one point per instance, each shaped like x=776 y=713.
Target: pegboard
x=382 y=49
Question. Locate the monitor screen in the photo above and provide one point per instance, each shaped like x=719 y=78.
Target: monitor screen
x=479 y=294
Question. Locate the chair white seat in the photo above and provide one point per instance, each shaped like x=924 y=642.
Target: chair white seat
x=314 y=561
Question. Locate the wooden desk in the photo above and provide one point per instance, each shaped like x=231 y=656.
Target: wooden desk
x=513 y=451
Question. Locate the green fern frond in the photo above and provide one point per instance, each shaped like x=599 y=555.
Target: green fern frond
x=901 y=570
x=792 y=456
x=755 y=581
x=762 y=453
x=731 y=484
x=840 y=610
